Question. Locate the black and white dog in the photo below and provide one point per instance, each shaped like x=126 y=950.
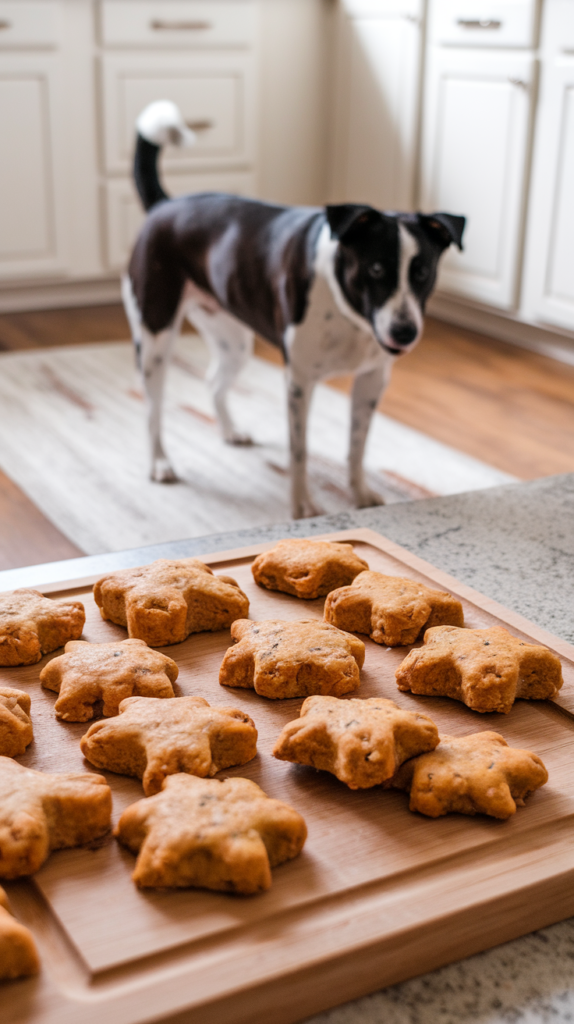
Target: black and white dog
x=338 y=289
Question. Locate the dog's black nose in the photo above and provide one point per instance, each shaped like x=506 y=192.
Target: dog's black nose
x=403 y=333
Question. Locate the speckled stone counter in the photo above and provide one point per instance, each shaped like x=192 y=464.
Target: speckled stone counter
x=516 y=544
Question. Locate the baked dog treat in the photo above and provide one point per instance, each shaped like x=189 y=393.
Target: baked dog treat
x=307 y=568
x=41 y=812
x=210 y=834
x=392 y=610
x=154 y=738
x=18 y=955
x=164 y=602
x=362 y=742
x=292 y=659
x=486 y=669
x=16 y=730
x=87 y=673
x=478 y=774
x=32 y=625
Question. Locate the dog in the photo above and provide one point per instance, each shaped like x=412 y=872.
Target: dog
x=339 y=289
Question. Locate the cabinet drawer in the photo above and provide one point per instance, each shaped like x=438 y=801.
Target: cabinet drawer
x=26 y=25
x=492 y=23
x=412 y=10
x=124 y=215
x=177 y=23
x=215 y=93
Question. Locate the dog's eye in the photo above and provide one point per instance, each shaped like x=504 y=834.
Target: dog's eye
x=376 y=270
x=420 y=272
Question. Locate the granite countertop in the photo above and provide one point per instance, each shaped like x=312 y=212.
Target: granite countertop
x=516 y=544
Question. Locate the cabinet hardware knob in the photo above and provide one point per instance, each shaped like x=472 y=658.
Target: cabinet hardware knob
x=412 y=18
x=479 y=23
x=5 y=25
x=518 y=82
x=200 y=126
x=180 y=26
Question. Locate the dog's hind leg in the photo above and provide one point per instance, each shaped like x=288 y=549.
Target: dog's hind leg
x=154 y=360
x=230 y=344
x=367 y=390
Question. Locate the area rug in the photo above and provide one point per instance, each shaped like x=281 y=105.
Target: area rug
x=73 y=437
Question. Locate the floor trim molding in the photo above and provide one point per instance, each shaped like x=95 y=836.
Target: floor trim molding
x=59 y=295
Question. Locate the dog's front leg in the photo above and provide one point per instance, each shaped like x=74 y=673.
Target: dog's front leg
x=155 y=354
x=299 y=397
x=367 y=390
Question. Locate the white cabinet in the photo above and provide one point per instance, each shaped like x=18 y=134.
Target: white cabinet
x=548 y=294
x=376 y=111
x=475 y=159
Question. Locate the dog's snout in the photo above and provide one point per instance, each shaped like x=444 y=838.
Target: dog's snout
x=403 y=332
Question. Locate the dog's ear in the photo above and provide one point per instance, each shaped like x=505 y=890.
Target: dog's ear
x=346 y=219
x=443 y=227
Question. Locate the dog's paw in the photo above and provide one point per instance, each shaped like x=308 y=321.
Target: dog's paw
x=162 y=472
x=366 y=498
x=236 y=437
x=306 y=509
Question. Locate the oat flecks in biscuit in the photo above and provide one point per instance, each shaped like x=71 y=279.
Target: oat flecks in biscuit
x=210 y=834
x=87 y=673
x=292 y=659
x=40 y=812
x=155 y=738
x=162 y=603
x=15 y=723
x=18 y=955
x=307 y=568
x=32 y=625
x=392 y=610
x=486 y=669
x=362 y=742
x=478 y=774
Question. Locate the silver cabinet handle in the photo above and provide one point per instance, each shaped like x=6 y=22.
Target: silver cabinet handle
x=4 y=25
x=200 y=126
x=412 y=18
x=488 y=23
x=518 y=82
x=180 y=26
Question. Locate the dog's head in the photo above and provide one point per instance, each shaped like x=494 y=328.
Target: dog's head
x=386 y=264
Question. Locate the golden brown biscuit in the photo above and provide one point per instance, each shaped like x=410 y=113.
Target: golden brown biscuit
x=40 y=812
x=362 y=742
x=164 y=602
x=87 y=673
x=210 y=834
x=154 y=738
x=18 y=955
x=16 y=730
x=478 y=774
x=392 y=610
x=307 y=568
x=32 y=625
x=292 y=659
x=487 y=669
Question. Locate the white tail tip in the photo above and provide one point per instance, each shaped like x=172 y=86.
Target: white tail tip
x=161 y=123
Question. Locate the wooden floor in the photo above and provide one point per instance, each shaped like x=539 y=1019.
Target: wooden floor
x=509 y=407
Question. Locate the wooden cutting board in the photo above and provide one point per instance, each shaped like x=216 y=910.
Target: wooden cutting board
x=378 y=895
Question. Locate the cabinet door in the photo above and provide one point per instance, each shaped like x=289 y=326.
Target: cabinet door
x=475 y=156
x=376 y=118
x=549 y=273
x=32 y=170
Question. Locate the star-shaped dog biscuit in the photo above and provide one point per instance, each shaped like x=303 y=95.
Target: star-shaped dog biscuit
x=164 y=602
x=392 y=610
x=40 y=812
x=292 y=659
x=87 y=673
x=32 y=625
x=362 y=742
x=210 y=834
x=16 y=730
x=478 y=774
x=18 y=955
x=307 y=568
x=486 y=669
x=154 y=738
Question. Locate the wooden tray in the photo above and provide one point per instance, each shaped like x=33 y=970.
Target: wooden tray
x=378 y=894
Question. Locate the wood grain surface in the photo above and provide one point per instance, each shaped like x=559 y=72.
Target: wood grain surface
x=378 y=894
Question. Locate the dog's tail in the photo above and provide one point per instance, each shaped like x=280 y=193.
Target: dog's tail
x=157 y=125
